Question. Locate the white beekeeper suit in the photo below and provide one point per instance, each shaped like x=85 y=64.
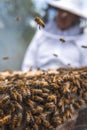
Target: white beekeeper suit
x=46 y=51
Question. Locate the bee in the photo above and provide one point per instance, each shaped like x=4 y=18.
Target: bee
x=74 y=89
x=5 y=119
x=5 y=58
x=61 y=103
x=28 y=116
x=50 y=106
x=40 y=22
x=37 y=91
x=81 y=102
x=56 y=120
x=46 y=123
x=5 y=99
x=38 y=120
x=3 y=88
x=27 y=128
x=77 y=105
x=35 y=127
x=31 y=103
x=18 y=19
x=44 y=95
x=44 y=83
x=69 y=64
x=52 y=98
x=84 y=46
x=14 y=122
x=55 y=55
x=38 y=109
x=66 y=87
x=31 y=68
x=18 y=106
x=45 y=90
x=62 y=40
x=38 y=99
x=68 y=113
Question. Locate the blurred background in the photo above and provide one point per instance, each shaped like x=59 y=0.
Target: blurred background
x=17 y=27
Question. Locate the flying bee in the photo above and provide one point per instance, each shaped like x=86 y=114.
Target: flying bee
x=55 y=55
x=40 y=22
x=62 y=40
x=5 y=58
x=18 y=19
x=83 y=46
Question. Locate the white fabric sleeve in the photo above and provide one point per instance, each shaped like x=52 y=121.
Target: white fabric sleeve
x=31 y=53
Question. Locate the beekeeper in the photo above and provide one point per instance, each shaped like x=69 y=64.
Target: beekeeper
x=62 y=43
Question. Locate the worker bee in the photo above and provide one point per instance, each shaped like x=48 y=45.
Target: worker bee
x=38 y=99
x=18 y=19
x=28 y=116
x=81 y=102
x=44 y=95
x=56 y=121
x=37 y=91
x=15 y=122
x=44 y=83
x=62 y=40
x=38 y=109
x=74 y=89
x=77 y=105
x=31 y=103
x=5 y=119
x=50 y=106
x=35 y=127
x=55 y=55
x=66 y=87
x=52 y=98
x=3 y=88
x=68 y=113
x=38 y=120
x=84 y=46
x=46 y=123
x=45 y=90
x=40 y=22
x=5 y=58
x=5 y=99
x=18 y=106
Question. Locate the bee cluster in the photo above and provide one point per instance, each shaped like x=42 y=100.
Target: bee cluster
x=44 y=101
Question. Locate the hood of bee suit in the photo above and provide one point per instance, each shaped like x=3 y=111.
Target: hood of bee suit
x=78 y=7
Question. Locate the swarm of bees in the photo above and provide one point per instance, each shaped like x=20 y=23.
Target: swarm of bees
x=41 y=102
x=40 y=22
